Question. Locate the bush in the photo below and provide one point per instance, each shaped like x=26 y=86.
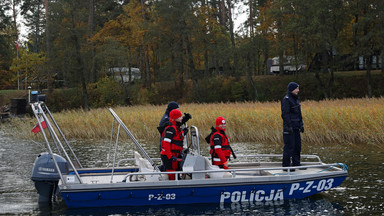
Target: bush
x=106 y=92
x=62 y=99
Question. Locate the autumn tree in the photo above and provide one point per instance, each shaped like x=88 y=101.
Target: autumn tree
x=70 y=45
x=310 y=30
x=123 y=37
x=316 y=28
x=30 y=67
x=174 y=49
x=367 y=33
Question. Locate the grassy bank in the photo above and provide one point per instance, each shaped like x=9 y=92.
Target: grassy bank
x=347 y=121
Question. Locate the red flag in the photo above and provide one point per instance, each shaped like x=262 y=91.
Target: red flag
x=17 y=45
x=37 y=129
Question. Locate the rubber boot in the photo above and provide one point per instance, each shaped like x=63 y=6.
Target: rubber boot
x=171 y=177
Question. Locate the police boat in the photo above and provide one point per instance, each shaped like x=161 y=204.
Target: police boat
x=59 y=176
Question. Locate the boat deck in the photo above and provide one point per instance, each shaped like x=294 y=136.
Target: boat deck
x=236 y=170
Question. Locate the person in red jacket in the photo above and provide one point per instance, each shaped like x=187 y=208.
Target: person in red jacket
x=220 y=145
x=172 y=144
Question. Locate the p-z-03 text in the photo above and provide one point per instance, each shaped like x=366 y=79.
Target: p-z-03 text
x=170 y=196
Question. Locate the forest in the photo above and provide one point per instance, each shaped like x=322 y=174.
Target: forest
x=139 y=50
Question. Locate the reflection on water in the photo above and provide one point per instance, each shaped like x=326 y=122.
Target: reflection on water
x=17 y=192
x=362 y=193
x=313 y=206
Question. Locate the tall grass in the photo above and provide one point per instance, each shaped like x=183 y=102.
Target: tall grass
x=346 y=121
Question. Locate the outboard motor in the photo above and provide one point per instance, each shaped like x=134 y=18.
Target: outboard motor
x=45 y=175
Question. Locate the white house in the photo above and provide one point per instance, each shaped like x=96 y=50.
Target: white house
x=123 y=72
x=288 y=63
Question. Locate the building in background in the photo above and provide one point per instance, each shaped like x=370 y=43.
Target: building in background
x=123 y=73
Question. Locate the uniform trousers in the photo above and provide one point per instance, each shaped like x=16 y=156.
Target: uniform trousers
x=292 y=148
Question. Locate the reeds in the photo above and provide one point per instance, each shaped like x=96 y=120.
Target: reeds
x=346 y=121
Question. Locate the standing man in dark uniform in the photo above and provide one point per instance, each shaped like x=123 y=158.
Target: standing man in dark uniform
x=165 y=119
x=164 y=122
x=292 y=126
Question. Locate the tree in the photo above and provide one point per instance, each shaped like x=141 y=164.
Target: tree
x=31 y=65
x=381 y=32
x=34 y=15
x=365 y=34
x=47 y=32
x=14 y=4
x=174 y=38
x=124 y=34
x=71 y=47
x=316 y=27
x=309 y=29
x=8 y=36
x=232 y=36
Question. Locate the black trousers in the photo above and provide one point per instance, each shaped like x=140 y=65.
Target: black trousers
x=292 y=149
x=169 y=164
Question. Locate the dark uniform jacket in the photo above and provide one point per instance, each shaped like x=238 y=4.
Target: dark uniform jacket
x=291 y=113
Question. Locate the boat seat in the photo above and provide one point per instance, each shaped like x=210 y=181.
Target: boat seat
x=209 y=166
x=145 y=166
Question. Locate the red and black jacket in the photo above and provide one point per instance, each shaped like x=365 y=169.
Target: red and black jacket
x=172 y=143
x=220 y=146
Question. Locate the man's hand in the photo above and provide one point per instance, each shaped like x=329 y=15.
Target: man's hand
x=225 y=165
x=175 y=159
x=186 y=117
x=289 y=130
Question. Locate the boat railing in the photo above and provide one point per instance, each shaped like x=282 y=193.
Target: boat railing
x=234 y=172
x=132 y=160
x=260 y=156
x=41 y=112
x=128 y=132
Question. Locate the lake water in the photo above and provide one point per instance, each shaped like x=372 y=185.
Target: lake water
x=361 y=194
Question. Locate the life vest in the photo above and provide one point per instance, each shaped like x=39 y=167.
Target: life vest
x=176 y=141
x=225 y=146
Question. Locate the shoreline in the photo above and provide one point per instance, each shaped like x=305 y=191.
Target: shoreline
x=344 y=121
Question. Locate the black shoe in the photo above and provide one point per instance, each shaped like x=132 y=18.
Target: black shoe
x=300 y=168
x=286 y=170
